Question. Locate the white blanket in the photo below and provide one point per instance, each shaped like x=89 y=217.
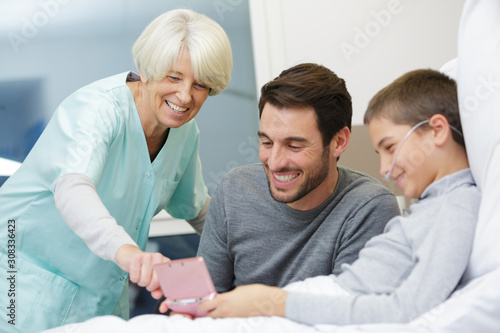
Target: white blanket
x=474 y=304
x=160 y=323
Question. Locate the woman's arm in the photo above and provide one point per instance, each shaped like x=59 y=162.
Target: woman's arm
x=199 y=222
x=77 y=200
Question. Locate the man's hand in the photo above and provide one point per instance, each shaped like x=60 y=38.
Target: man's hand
x=247 y=301
x=139 y=265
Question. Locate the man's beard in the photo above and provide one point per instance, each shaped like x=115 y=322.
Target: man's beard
x=317 y=175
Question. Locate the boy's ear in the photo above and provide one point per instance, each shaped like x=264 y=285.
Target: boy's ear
x=441 y=129
x=340 y=141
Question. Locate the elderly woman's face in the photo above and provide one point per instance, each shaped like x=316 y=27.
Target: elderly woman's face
x=177 y=98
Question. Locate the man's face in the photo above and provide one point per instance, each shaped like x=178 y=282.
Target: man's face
x=301 y=172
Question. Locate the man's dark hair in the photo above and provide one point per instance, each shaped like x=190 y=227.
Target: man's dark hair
x=312 y=85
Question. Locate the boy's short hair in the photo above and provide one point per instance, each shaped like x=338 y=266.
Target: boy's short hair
x=312 y=85
x=417 y=96
x=169 y=35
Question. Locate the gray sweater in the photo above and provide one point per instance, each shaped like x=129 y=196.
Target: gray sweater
x=409 y=269
x=251 y=238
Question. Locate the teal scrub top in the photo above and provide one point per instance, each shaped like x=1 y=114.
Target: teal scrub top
x=97 y=132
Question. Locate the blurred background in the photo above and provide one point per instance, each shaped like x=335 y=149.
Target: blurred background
x=50 y=48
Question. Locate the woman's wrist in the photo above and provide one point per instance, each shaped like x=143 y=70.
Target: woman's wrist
x=124 y=254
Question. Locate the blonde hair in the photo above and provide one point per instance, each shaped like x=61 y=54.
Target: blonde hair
x=164 y=40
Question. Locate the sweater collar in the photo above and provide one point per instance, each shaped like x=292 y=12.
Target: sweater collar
x=448 y=183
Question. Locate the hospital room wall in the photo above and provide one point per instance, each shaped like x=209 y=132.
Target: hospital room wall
x=368 y=43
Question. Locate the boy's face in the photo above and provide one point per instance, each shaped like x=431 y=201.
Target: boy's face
x=413 y=166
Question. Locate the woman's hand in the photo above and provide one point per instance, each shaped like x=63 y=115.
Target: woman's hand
x=247 y=301
x=139 y=265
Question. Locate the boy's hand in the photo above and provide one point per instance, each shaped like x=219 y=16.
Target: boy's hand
x=247 y=301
